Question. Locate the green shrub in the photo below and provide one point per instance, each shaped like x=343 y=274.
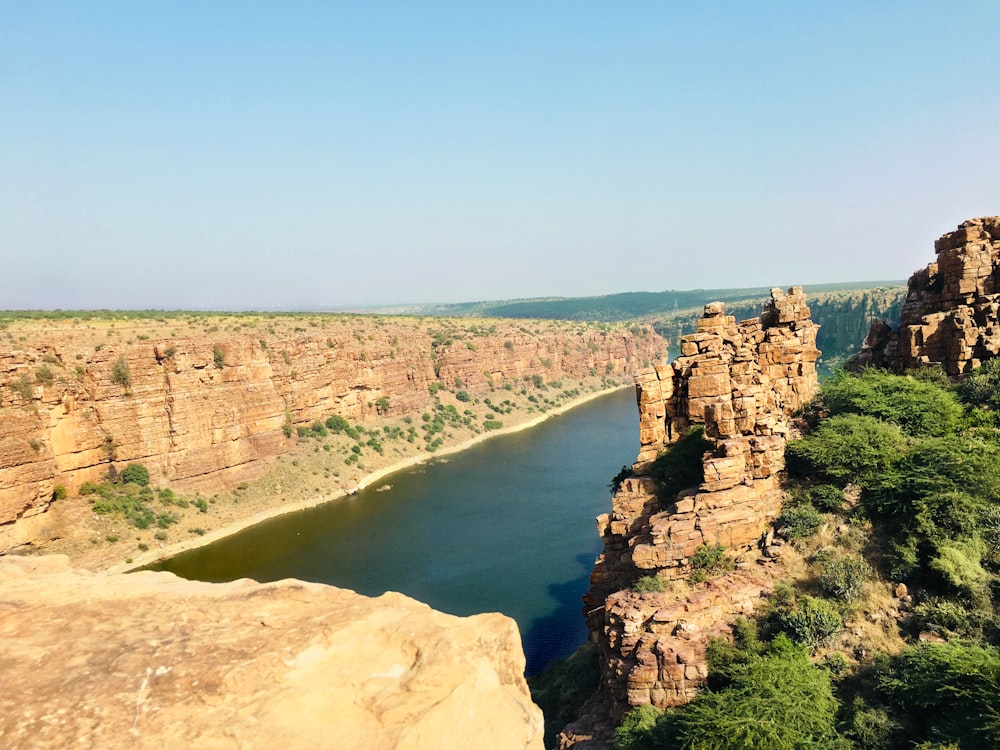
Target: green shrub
x=848 y=447
x=918 y=406
x=23 y=387
x=778 y=699
x=843 y=576
x=707 y=560
x=88 y=488
x=218 y=356
x=680 y=467
x=636 y=730
x=44 y=375
x=616 y=481
x=463 y=396
x=492 y=424
x=799 y=521
x=811 y=621
x=59 y=492
x=135 y=474
x=201 y=504
x=982 y=386
x=649 y=585
x=121 y=374
x=947 y=692
x=827 y=497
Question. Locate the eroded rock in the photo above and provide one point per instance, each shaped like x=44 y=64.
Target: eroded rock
x=149 y=660
x=950 y=315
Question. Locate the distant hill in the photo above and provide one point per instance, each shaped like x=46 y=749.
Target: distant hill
x=844 y=311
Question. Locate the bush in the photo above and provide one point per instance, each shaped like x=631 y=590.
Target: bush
x=849 y=447
x=135 y=474
x=650 y=585
x=44 y=375
x=463 y=396
x=843 y=576
x=799 y=521
x=708 y=559
x=636 y=729
x=680 y=467
x=812 y=622
x=24 y=388
x=947 y=692
x=218 y=356
x=120 y=373
x=827 y=497
x=982 y=386
x=777 y=700
x=59 y=492
x=918 y=406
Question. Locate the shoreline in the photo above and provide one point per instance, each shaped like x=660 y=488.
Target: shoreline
x=155 y=556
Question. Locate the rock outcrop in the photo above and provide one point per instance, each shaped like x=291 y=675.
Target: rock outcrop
x=951 y=315
x=205 y=409
x=149 y=660
x=742 y=381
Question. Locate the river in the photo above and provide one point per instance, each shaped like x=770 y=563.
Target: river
x=507 y=526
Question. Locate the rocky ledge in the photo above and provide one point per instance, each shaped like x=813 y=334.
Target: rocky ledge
x=951 y=315
x=150 y=660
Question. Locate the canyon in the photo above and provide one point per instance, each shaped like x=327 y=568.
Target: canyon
x=214 y=403
x=210 y=411
x=207 y=403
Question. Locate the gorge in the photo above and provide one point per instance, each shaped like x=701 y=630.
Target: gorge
x=686 y=562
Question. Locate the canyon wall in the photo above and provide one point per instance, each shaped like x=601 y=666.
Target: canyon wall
x=204 y=408
x=149 y=660
x=951 y=315
x=741 y=381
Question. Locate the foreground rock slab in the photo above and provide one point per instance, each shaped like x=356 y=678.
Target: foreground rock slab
x=150 y=660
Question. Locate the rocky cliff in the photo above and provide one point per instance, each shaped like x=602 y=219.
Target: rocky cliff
x=951 y=315
x=741 y=381
x=149 y=660
x=205 y=402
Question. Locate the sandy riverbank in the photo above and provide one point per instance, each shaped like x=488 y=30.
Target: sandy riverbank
x=257 y=515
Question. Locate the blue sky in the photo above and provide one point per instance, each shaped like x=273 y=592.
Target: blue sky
x=290 y=155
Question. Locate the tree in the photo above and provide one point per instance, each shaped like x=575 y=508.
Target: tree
x=135 y=474
x=777 y=701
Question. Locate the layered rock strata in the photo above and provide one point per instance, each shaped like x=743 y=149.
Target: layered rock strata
x=951 y=315
x=741 y=381
x=149 y=660
x=205 y=410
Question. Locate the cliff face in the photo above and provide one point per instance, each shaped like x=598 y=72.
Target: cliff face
x=951 y=315
x=149 y=660
x=741 y=381
x=204 y=409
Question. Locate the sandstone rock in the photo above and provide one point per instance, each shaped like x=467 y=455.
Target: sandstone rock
x=742 y=382
x=205 y=412
x=149 y=660
x=949 y=316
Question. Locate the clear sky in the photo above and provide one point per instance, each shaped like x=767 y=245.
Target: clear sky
x=294 y=154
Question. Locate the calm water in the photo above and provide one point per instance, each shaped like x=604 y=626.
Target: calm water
x=507 y=526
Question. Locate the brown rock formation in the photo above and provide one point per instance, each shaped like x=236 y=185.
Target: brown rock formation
x=149 y=660
x=741 y=381
x=204 y=410
x=951 y=316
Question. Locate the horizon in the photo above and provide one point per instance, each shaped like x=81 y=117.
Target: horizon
x=251 y=157
x=402 y=309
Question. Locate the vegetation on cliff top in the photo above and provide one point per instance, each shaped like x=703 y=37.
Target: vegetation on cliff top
x=896 y=481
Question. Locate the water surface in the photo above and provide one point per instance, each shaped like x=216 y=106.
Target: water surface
x=507 y=525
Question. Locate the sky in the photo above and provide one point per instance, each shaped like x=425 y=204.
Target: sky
x=293 y=155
